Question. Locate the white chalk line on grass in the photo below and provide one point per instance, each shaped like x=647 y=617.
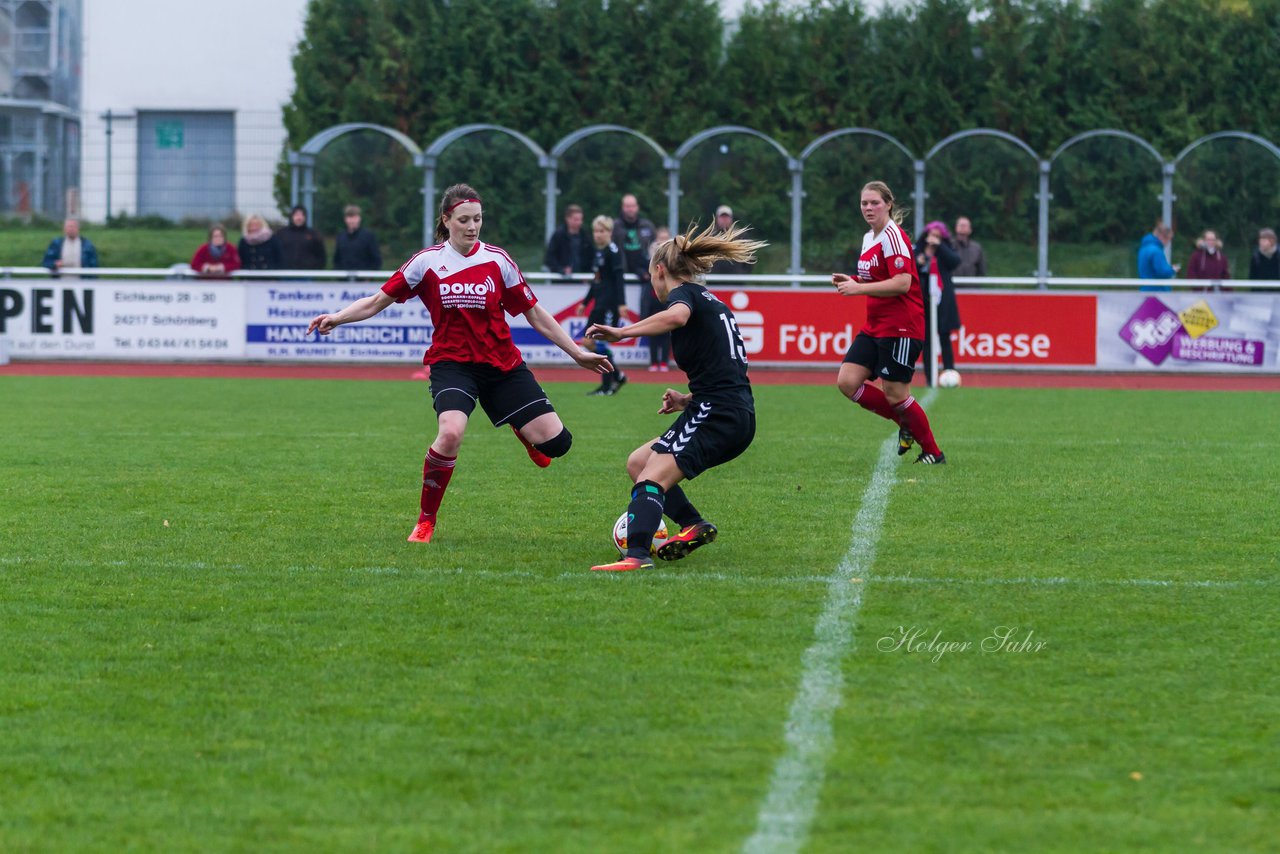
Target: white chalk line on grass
x=787 y=811
x=657 y=575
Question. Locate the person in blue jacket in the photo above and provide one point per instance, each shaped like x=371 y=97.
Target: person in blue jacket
x=1152 y=262
x=70 y=250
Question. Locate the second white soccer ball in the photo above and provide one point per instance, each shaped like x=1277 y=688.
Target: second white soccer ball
x=949 y=378
x=620 y=535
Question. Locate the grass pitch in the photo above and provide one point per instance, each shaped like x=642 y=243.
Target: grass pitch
x=216 y=638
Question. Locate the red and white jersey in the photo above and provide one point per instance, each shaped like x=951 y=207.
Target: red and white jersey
x=884 y=256
x=466 y=295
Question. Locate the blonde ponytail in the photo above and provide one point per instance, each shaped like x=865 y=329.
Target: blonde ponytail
x=689 y=256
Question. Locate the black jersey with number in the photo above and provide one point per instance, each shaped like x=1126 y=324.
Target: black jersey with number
x=709 y=348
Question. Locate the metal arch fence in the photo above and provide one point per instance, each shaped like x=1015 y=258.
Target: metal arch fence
x=302 y=163
x=562 y=147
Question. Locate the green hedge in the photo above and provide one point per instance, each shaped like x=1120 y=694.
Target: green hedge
x=1169 y=71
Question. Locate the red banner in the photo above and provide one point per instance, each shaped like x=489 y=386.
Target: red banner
x=803 y=325
x=1026 y=329
x=795 y=324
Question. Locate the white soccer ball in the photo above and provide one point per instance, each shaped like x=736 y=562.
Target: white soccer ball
x=949 y=378
x=620 y=535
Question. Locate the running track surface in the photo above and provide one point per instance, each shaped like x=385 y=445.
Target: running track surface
x=759 y=376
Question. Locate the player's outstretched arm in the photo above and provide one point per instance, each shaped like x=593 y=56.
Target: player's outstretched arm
x=655 y=324
x=540 y=319
x=361 y=309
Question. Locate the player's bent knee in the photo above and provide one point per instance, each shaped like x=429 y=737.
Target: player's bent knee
x=635 y=462
x=449 y=438
x=558 y=445
x=847 y=388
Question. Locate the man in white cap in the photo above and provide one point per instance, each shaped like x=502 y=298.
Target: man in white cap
x=724 y=221
x=724 y=218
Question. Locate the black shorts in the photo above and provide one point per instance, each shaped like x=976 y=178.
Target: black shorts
x=508 y=397
x=603 y=316
x=707 y=435
x=892 y=359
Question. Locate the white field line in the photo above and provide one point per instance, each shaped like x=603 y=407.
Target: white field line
x=661 y=576
x=786 y=813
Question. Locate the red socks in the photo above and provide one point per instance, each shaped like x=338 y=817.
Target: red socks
x=908 y=414
x=911 y=415
x=436 y=471
x=872 y=399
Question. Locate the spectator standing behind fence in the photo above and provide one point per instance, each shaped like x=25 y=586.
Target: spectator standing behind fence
x=973 y=262
x=936 y=261
x=70 y=250
x=1152 y=263
x=1265 y=263
x=356 y=247
x=569 y=251
x=217 y=258
x=724 y=222
x=301 y=247
x=259 y=249
x=1208 y=261
x=634 y=235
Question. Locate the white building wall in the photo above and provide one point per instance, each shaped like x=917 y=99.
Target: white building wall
x=186 y=55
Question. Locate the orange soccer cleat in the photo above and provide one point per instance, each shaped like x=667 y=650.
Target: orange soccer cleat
x=423 y=531
x=540 y=459
x=627 y=564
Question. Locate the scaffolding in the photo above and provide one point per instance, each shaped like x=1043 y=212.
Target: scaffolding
x=40 y=77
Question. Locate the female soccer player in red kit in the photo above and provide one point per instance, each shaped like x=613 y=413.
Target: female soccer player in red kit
x=890 y=343
x=466 y=285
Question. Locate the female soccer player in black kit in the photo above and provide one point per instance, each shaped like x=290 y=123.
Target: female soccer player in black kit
x=718 y=417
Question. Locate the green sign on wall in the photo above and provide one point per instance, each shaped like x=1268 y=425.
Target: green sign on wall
x=169 y=134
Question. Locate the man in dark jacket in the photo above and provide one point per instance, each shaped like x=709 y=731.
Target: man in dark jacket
x=569 y=250
x=1265 y=263
x=301 y=247
x=71 y=250
x=633 y=234
x=973 y=261
x=356 y=248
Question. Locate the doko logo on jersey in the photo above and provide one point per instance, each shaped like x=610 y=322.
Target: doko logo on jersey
x=1157 y=332
x=467 y=294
